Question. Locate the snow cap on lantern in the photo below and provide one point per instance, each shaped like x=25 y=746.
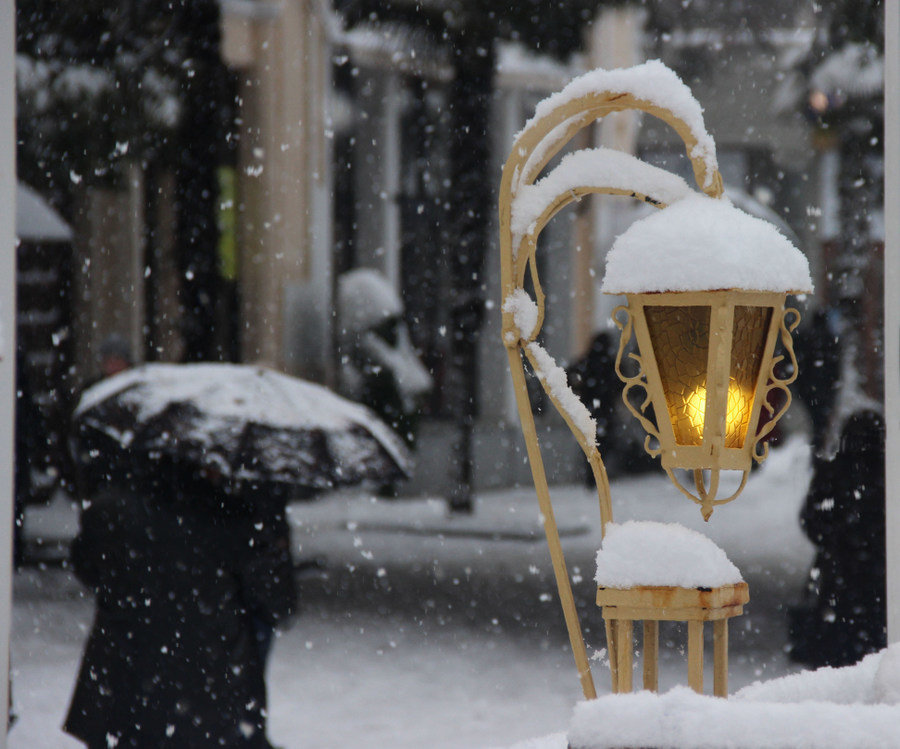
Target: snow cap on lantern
x=702 y=243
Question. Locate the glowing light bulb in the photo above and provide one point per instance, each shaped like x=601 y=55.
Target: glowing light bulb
x=737 y=411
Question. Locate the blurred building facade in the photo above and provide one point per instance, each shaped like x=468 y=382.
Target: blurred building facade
x=345 y=154
x=376 y=187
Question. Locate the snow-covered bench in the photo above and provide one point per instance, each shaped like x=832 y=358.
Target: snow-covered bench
x=652 y=572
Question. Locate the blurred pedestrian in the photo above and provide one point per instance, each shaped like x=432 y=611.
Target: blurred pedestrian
x=101 y=460
x=379 y=366
x=114 y=355
x=266 y=505
x=593 y=379
x=185 y=574
x=818 y=351
x=843 y=615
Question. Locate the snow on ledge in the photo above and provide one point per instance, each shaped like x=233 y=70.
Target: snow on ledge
x=661 y=554
x=856 y=707
x=651 y=81
x=702 y=243
x=593 y=168
x=682 y=719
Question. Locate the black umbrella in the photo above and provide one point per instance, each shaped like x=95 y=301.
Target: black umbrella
x=249 y=423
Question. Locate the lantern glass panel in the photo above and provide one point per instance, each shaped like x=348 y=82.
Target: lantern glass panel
x=680 y=339
x=751 y=326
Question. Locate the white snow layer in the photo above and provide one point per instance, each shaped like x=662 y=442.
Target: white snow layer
x=854 y=70
x=843 y=708
x=525 y=314
x=365 y=299
x=36 y=221
x=702 y=243
x=554 y=378
x=253 y=393
x=651 y=553
x=651 y=81
x=593 y=168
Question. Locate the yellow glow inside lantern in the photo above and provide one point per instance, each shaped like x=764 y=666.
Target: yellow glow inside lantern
x=736 y=416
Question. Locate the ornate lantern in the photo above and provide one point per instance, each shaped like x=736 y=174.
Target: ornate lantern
x=706 y=356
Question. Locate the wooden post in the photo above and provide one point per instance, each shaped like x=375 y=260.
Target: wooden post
x=695 y=655
x=624 y=650
x=720 y=658
x=611 y=650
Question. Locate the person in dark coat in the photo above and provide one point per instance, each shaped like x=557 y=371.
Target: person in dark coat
x=594 y=381
x=843 y=615
x=180 y=571
x=99 y=459
x=818 y=351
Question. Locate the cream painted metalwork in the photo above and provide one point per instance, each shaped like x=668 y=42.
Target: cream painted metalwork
x=713 y=390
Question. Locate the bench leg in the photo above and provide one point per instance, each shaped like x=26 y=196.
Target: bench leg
x=651 y=656
x=611 y=649
x=624 y=650
x=720 y=658
x=695 y=656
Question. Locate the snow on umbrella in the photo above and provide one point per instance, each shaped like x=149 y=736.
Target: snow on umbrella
x=249 y=422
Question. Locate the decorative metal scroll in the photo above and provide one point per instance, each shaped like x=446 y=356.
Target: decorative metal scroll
x=776 y=383
x=638 y=380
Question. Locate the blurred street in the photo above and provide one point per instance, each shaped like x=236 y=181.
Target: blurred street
x=313 y=188
x=413 y=619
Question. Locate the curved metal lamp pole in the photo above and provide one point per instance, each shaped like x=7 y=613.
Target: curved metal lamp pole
x=539 y=142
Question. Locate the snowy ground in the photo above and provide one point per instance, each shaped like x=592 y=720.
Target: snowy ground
x=443 y=632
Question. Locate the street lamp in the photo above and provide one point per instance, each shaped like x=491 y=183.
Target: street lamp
x=706 y=308
x=705 y=287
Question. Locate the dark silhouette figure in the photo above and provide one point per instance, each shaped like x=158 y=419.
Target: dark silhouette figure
x=843 y=616
x=186 y=575
x=818 y=353
x=593 y=379
x=114 y=355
